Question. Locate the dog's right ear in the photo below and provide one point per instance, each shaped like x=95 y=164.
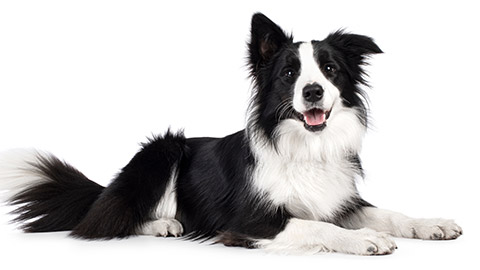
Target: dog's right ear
x=266 y=38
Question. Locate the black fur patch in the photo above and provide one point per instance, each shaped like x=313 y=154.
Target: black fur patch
x=214 y=192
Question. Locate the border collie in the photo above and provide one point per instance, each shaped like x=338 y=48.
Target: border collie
x=285 y=183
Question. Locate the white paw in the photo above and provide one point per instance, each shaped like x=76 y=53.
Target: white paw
x=367 y=242
x=435 y=229
x=163 y=227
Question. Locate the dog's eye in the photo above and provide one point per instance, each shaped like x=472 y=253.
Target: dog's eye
x=330 y=69
x=289 y=73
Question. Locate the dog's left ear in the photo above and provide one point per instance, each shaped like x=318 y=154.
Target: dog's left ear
x=266 y=39
x=356 y=49
x=352 y=44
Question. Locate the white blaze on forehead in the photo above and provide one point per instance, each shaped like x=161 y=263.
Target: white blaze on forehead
x=310 y=73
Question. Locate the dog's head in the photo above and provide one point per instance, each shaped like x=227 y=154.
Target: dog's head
x=308 y=82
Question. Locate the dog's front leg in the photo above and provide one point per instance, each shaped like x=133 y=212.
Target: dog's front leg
x=307 y=236
x=400 y=225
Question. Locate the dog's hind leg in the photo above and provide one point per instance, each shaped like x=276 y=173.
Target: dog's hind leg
x=164 y=222
x=141 y=200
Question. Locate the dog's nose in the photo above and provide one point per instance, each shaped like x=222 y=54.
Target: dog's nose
x=313 y=92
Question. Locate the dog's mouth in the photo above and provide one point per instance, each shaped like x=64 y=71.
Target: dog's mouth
x=314 y=119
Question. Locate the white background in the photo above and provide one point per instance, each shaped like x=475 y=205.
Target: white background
x=89 y=80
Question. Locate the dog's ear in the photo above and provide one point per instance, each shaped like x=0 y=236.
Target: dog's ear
x=352 y=44
x=356 y=49
x=266 y=38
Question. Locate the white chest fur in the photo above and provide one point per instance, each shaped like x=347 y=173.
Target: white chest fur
x=308 y=189
x=310 y=174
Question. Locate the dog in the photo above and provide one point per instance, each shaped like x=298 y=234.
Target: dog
x=285 y=183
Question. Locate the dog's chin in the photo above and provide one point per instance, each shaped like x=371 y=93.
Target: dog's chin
x=316 y=128
x=314 y=120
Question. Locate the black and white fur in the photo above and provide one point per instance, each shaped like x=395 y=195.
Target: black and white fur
x=286 y=183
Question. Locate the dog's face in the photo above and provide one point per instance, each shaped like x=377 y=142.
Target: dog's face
x=308 y=82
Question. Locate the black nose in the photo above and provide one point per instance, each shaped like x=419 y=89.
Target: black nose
x=312 y=92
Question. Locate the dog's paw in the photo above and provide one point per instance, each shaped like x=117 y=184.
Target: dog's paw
x=163 y=227
x=368 y=242
x=435 y=229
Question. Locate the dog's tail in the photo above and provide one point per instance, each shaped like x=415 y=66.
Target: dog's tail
x=49 y=195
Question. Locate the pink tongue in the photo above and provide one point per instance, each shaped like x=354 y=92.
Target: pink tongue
x=314 y=117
